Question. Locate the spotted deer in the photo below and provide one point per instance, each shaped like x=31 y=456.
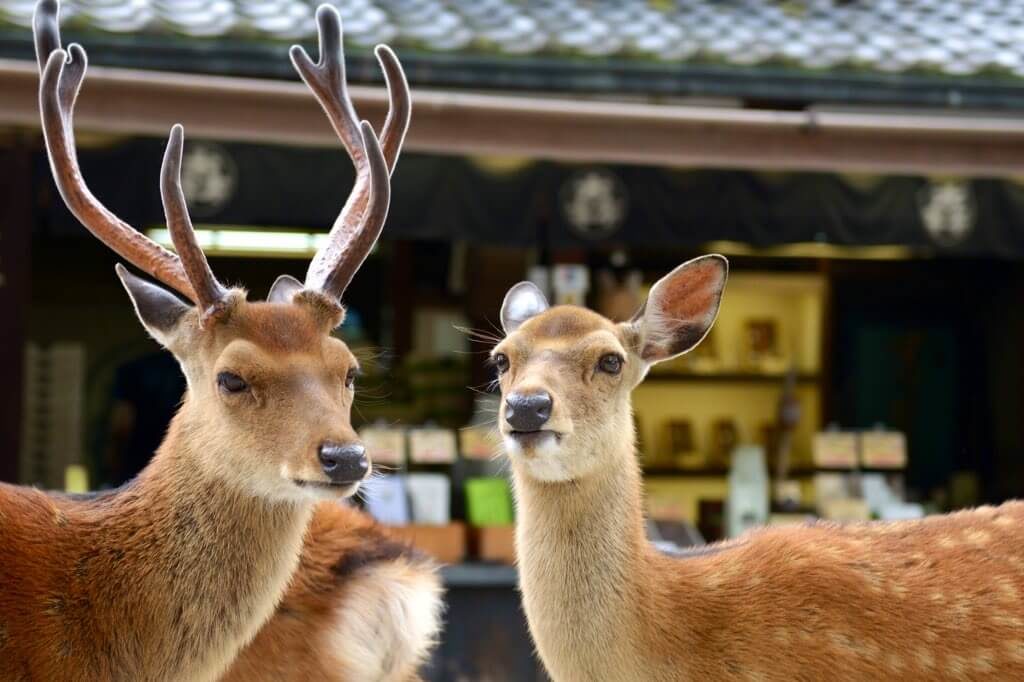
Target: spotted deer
x=230 y=555
x=933 y=599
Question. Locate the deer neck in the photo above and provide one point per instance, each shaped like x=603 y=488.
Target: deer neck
x=209 y=562
x=581 y=548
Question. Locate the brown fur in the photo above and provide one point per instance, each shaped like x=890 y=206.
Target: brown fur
x=171 y=576
x=936 y=599
x=343 y=551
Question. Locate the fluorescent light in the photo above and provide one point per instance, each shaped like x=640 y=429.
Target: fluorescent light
x=225 y=240
x=816 y=250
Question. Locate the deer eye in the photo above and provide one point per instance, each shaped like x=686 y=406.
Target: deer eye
x=230 y=382
x=610 y=363
x=350 y=378
x=501 y=362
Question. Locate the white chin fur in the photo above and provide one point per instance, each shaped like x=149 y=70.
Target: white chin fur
x=545 y=462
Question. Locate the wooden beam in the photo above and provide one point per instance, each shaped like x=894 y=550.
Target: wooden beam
x=444 y=122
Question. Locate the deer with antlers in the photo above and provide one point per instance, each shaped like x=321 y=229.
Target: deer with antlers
x=229 y=555
x=934 y=599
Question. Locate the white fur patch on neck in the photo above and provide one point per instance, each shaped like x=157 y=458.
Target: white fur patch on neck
x=546 y=463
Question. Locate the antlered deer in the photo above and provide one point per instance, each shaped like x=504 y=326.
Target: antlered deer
x=935 y=599
x=169 y=577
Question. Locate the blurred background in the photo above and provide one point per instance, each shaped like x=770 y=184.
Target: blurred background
x=859 y=162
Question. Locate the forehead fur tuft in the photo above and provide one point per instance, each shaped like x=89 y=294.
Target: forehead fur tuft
x=283 y=327
x=564 y=321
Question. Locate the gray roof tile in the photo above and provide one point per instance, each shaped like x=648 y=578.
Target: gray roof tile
x=952 y=37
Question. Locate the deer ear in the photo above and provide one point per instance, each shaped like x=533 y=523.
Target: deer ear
x=159 y=310
x=523 y=301
x=283 y=289
x=681 y=308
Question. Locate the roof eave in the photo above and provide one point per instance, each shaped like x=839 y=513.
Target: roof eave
x=129 y=101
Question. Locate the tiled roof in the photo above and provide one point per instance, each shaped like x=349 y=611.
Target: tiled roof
x=946 y=37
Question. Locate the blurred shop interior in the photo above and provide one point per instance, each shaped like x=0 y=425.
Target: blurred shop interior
x=866 y=363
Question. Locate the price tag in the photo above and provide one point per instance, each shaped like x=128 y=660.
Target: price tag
x=384 y=445
x=432 y=446
x=883 y=450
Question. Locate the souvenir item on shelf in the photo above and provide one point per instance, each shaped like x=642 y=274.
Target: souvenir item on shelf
x=429 y=497
x=768 y=438
x=488 y=502
x=725 y=436
x=883 y=450
x=901 y=511
x=432 y=446
x=681 y=445
x=386 y=500
x=787 y=417
x=835 y=450
x=570 y=282
x=445 y=543
x=830 y=486
x=747 y=506
x=384 y=445
x=786 y=493
x=478 y=442
x=846 y=509
x=761 y=345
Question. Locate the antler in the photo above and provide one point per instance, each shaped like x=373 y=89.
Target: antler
x=359 y=224
x=61 y=78
x=210 y=294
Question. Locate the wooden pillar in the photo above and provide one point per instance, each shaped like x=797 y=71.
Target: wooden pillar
x=15 y=251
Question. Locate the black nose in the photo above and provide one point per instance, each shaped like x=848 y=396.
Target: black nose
x=344 y=463
x=528 y=412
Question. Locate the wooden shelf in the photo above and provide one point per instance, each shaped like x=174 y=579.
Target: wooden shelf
x=729 y=378
x=670 y=472
x=479 y=575
x=722 y=472
x=805 y=472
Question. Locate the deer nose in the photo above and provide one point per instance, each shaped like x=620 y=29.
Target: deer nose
x=528 y=412
x=344 y=463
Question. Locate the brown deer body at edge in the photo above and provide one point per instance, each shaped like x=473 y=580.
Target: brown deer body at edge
x=934 y=599
x=179 y=574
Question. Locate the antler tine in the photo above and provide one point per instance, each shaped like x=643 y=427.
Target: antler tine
x=61 y=77
x=352 y=241
x=210 y=294
x=355 y=230
x=400 y=110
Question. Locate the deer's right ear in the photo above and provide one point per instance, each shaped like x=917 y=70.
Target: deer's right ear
x=159 y=310
x=681 y=308
x=284 y=289
x=523 y=301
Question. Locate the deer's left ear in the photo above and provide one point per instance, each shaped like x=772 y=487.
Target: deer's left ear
x=523 y=301
x=681 y=308
x=160 y=311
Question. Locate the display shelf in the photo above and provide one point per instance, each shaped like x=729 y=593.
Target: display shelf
x=671 y=472
x=479 y=575
x=804 y=472
x=728 y=378
x=801 y=472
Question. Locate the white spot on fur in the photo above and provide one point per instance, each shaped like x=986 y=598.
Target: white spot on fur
x=545 y=462
x=387 y=622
